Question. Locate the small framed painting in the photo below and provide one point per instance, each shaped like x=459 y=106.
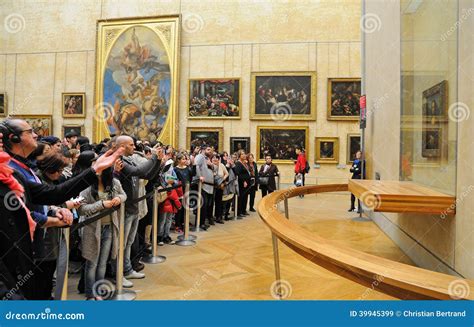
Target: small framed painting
x=199 y=136
x=239 y=143
x=353 y=145
x=327 y=150
x=74 y=105
x=78 y=129
x=343 y=98
x=3 y=104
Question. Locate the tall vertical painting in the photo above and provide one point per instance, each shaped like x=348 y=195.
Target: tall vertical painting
x=137 y=78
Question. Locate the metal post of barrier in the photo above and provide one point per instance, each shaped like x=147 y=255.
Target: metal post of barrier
x=186 y=240
x=154 y=257
x=276 y=260
x=236 y=207
x=278 y=184
x=287 y=214
x=198 y=208
x=65 y=236
x=120 y=293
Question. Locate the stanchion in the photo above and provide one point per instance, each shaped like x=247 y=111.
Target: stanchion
x=186 y=240
x=63 y=267
x=120 y=293
x=236 y=205
x=154 y=258
x=278 y=184
x=198 y=208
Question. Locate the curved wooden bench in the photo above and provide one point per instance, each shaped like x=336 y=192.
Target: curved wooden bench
x=390 y=277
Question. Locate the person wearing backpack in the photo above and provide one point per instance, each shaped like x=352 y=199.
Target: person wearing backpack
x=301 y=167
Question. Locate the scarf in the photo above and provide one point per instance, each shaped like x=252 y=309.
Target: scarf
x=6 y=177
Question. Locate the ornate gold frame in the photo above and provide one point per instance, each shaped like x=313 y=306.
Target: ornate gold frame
x=214 y=118
x=317 y=153
x=329 y=96
x=290 y=162
x=220 y=130
x=84 y=109
x=73 y=125
x=313 y=97
x=348 y=150
x=167 y=29
x=5 y=103
x=50 y=117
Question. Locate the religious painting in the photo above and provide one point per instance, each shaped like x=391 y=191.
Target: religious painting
x=78 y=129
x=435 y=103
x=42 y=124
x=432 y=142
x=3 y=104
x=137 y=78
x=353 y=145
x=198 y=136
x=281 y=142
x=327 y=150
x=214 y=98
x=283 y=96
x=343 y=98
x=239 y=143
x=74 y=105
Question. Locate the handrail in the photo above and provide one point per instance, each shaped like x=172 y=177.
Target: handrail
x=390 y=277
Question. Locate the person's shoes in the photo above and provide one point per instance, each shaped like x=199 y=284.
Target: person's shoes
x=126 y=283
x=212 y=223
x=252 y=209
x=138 y=267
x=135 y=275
x=220 y=221
x=147 y=251
x=351 y=209
x=246 y=213
x=203 y=227
x=168 y=240
x=161 y=243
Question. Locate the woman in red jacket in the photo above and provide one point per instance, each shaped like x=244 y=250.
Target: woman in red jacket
x=300 y=167
x=168 y=209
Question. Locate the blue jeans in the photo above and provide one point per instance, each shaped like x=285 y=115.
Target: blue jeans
x=164 y=226
x=95 y=270
x=130 y=231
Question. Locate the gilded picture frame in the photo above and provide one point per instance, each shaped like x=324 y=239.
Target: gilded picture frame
x=3 y=104
x=137 y=78
x=327 y=150
x=214 y=98
x=339 y=99
x=435 y=104
x=283 y=96
x=78 y=128
x=353 y=145
x=280 y=142
x=42 y=124
x=214 y=136
x=74 y=105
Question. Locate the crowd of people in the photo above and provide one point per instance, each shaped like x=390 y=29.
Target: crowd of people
x=47 y=184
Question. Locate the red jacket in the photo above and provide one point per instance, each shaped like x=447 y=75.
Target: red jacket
x=300 y=164
x=172 y=203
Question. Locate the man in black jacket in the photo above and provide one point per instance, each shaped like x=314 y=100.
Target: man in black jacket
x=16 y=253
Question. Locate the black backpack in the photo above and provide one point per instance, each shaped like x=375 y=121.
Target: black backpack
x=307 y=167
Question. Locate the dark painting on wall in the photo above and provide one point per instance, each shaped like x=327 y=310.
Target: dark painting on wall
x=205 y=136
x=214 y=98
x=327 y=150
x=435 y=103
x=3 y=104
x=239 y=143
x=280 y=143
x=353 y=145
x=78 y=129
x=431 y=142
x=343 y=98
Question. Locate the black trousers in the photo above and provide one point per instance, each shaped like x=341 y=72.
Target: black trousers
x=219 y=207
x=252 y=192
x=243 y=199
x=44 y=273
x=265 y=191
x=206 y=208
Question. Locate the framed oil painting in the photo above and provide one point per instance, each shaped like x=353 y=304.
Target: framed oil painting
x=137 y=78
x=283 y=96
x=353 y=145
x=214 y=98
x=343 y=98
x=79 y=129
x=239 y=143
x=435 y=103
x=199 y=136
x=280 y=142
x=432 y=142
x=74 y=105
x=3 y=104
x=41 y=124
x=327 y=150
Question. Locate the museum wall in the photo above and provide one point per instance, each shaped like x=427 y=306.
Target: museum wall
x=53 y=51
x=436 y=242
